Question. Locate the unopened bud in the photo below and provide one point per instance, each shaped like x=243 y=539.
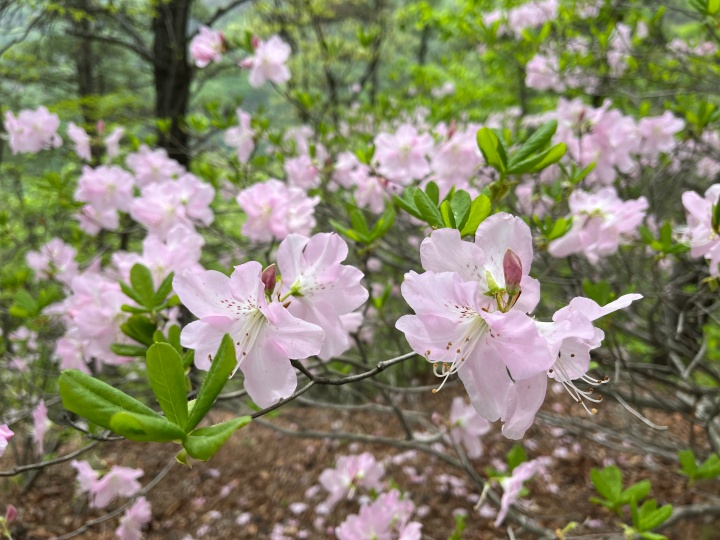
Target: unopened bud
x=10 y=513
x=269 y=278
x=255 y=42
x=100 y=126
x=512 y=268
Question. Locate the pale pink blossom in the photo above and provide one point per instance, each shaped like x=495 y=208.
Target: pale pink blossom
x=512 y=486
x=302 y=172
x=361 y=471
x=543 y=73
x=32 y=131
x=153 y=166
x=242 y=136
x=107 y=190
x=467 y=427
x=86 y=475
x=386 y=518
x=41 y=423
x=81 y=140
x=322 y=289
x=266 y=335
x=92 y=220
x=268 y=62
x=112 y=142
x=703 y=239
x=531 y=15
x=456 y=160
x=207 y=46
x=55 y=259
x=402 y=156
x=118 y=482
x=275 y=210
x=135 y=518
x=658 y=134
x=601 y=223
x=5 y=435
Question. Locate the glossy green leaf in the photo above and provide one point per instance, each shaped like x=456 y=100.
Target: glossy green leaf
x=447 y=215
x=140 y=328
x=222 y=366
x=95 y=400
x=357 y=220
x=535 y=143
x=383 y=224
x=479 y=210
x=204 y=443
x=460 y=204
x=492 y=149
x=167 y=378
x=428 y=210
x=142 y=283
x=433 y=192
x=139 y=427
x=122 y=349
x=163 y=290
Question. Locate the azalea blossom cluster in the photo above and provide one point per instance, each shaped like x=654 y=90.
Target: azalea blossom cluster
x=601 y=222
x=32 y=131
x=5 y=435
x=528 y=15
x=309 y=310
x=55 y=259
x=471 y=318
x=117 y=482
x=701 y=232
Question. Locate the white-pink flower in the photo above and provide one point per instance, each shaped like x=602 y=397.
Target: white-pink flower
x=402 y=156
x=32 y=131
x=241 y=137
x=275 y=210
x=350 y=474
x=135 y=518
x=207 y=46
x=268 y=62
x=107 y=190
x=467 y=427
x=86 y=475
x=41 y=423
x=153 y=166
x=81 y=140
x=322 y=289
x=55 y=259
x=112 y=142
x=118 y=482
x=703 y=239
x=266 y=335
x=658 y=133
x=302 y=172
x=512 y=486
x=601 y=223
x=5 y=435
x=543 y=73
x=386 y=518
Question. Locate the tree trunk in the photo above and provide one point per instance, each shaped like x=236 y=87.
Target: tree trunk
x=173 y=75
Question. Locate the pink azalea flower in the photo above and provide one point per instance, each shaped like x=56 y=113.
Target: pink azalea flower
x=81 y=139
x=5 y=435
x=268 y=62
x=135 y=518
x=601 y=223
x=32 y=131
x=55 y=259
x=266 y=335
x=112 y=142
x=41 y=423
x=72 y=351
x=470 y=319
x=386 y=518
x=350 y=474
x=467 y=427
x=207 y=46
x=86 y=475
x=107 y=190
x=322 y=289
x=275 y=210
x=512 y=486
x=119 y=482
x=302 y=172
x=401 y=157
x=345 y=164
x=658 y=133
x=543 y=73
x=455 y=161
x=704 y=241
x=92 y=221
x=153 y=166
x=241 y=137
x=571 y=336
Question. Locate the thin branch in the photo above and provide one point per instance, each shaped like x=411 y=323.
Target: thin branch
x=42 y=464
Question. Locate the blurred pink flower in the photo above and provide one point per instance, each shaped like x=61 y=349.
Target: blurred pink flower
x=32 y=131
x=152 y=166
x=55 y=259
x=41 y=423
x=241 y=137
x=402 y=156
x=118 y=482
x=207 y=46
x=5 y=435
x=137 y=516
x=86 y=475
x=512 y=486
x=268 y=62
x=467 y=427
x=81 y=140
x=350 y=474
x=302 y=172
x=112 y=142
x=386 y=518
x=703 y=239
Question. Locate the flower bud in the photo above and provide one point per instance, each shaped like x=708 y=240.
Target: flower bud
x=269 y=278
x=512 y=268
x=10 y=513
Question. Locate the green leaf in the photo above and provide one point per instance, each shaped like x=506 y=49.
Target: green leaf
x=559 y=228
x=713 y=6
x=447 y=215
x=140 y=328
x=122 y=349
x=174 y=338
x=652 y=517
x=383 y=224
x=139 y=427
x=163 y=290
x=203 y=443
x=167 y=378
x=349 y=233
x=492 y=149
x=688 y=463
x=479 y=210
x=407 y=202
x=536 y=142
x=142 y=283
x=357 y=219
x=716 y=218
x=221 y=368
x=95 y=400
x=515 y=457
x=433 y=192
x=460 y=204
x=636 y=492
x=428 y=210
x=607 y=482
x=550 y=156
x=652 y=536
x=710 y=468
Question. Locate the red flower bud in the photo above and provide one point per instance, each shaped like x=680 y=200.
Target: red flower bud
x=512 y=268
x=269 y=278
